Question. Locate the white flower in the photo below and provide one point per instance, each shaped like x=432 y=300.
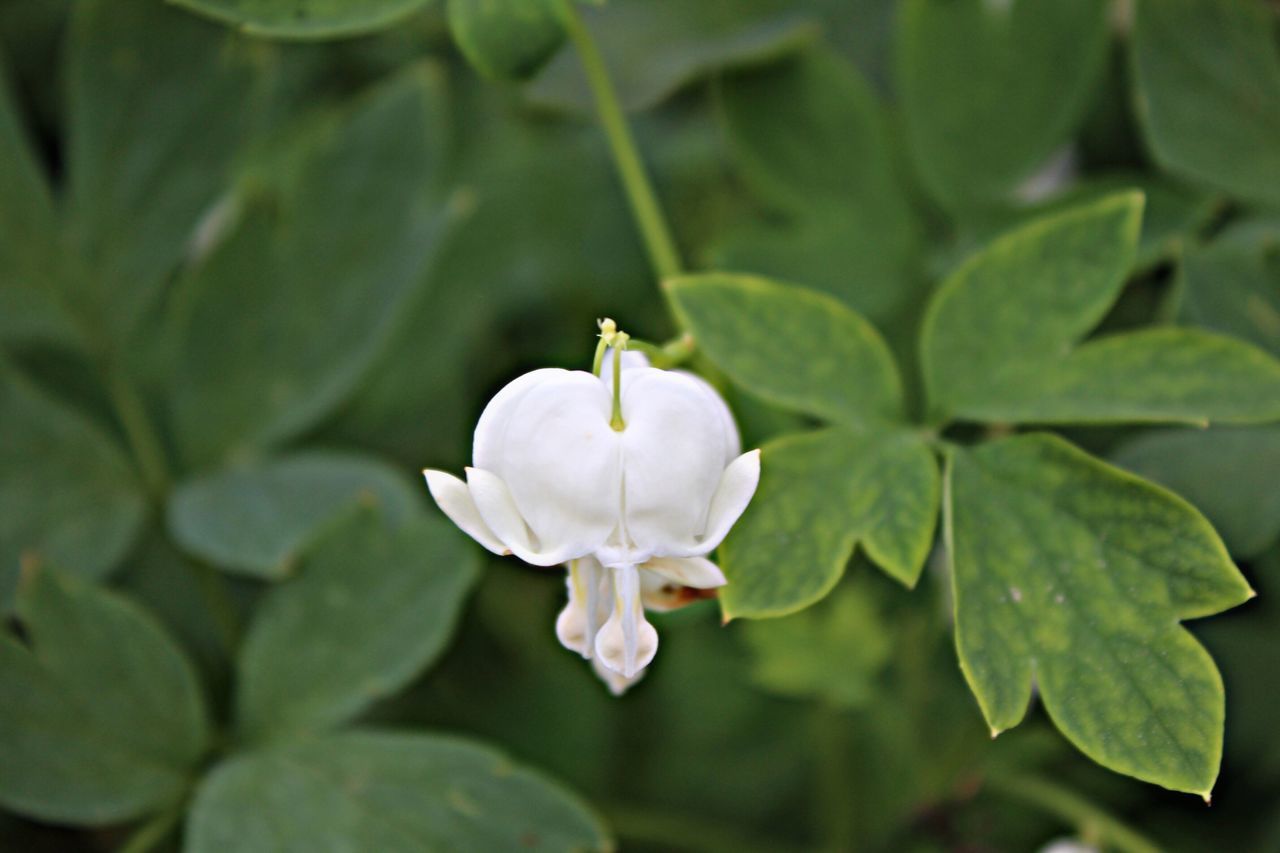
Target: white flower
x=631 y=505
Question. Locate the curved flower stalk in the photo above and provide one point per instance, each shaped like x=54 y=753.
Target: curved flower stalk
x=629 y=478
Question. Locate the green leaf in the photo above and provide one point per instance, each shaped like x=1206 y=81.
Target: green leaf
x=990 y=89
x=68 y=496
x=101 y=717
x=30 y=308
x=1229 y=474
x=159 y=103
x=1233 y=285
x=388 y=792
x=305 y=19
x=792 y=347
x=834 y=651
x=505 y=39
x=324 y=287
x=811 y=141
x=654 y=48
x=1000 y=337
x=256 y=519
x=820 y=495
x=1208 y=92
x=1070 y=575
x=371 y=609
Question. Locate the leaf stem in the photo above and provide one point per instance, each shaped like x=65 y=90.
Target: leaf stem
x=653 y=226
x=150 y=834
x=1089 y=819
x=214 y=591
x=143 y=439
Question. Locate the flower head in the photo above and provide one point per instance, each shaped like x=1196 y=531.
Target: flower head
x=630 y=490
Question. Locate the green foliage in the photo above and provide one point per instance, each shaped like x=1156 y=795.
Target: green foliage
x=812 y=143
x=101 y=717
x=236 y=386
x=1071 y=576
x=655 y=48
x=394 y=594
x=353 y=790
x=508 y=38
x=306 y=19
x=248 y=288
x=989 y=89
x=1208 y=88
x=792 y=347
x=842 y=488
x=68 y=496
x=257 y=519
x=997 y=349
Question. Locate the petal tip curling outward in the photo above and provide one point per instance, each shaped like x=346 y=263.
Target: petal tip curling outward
x=737 y=487
x=454 y=499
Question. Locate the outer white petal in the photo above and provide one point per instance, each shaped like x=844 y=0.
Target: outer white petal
x=733 y=442
x=491 y=429
x=499 y=511
x=562 y=463
x=735 y=491
x=673 y=447
x=454 y=498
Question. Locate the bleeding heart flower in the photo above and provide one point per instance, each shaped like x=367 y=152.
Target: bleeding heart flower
x=630 y=489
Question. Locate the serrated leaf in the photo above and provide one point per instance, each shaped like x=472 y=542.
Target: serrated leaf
x=68 y=496
x=1001 y=339
x=654 y=48
x=989 y=90
x=820 y=495
x=1233 y=285
x=256 y=519
x=305 y=19
x=30 y=306
x=363 y=791
x=324 y=287
x=810 y=140
x=1228 y=474
x=370 y=610
x=1207 y=74
x=101 y=717
x=793 y=347
x=159 y=103
x=833 y=651
x=505 y=39
x=1071 y=576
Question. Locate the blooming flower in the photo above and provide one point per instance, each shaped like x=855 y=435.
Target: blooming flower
x=630 y=489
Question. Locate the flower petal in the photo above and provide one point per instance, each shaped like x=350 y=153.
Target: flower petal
x=562 y=463
x=454 y=498
x=616 y=681
x=735 y=491
x=498 y=509
x=661 y=595
x=732 y=441
x=579 y=622
x=627 y=642
x=491 y=429
x=674 y=447
x=697 y=572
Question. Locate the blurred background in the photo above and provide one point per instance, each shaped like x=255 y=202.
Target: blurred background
x=218 y=251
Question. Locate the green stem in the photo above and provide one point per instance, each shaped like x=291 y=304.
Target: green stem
x=616 y=421
x=640 y=194
x=148 y=836
x=143 y=440
x=831 y=751
x=1089 y=819
x=598 y=361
